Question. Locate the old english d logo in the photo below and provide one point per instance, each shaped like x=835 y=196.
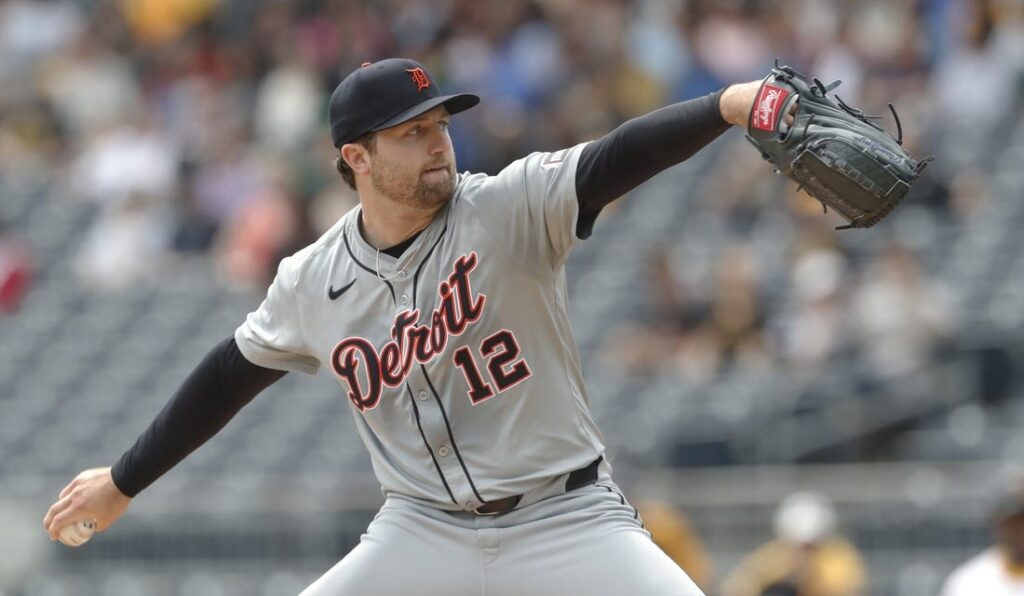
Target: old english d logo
x=419 y=77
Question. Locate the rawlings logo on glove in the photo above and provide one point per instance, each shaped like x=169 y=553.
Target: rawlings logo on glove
x=767 y=106
x=832 y=150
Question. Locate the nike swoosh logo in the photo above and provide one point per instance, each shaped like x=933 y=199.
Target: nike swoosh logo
x=334 y=294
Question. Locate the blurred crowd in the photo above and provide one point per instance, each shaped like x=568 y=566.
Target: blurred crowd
x=808 y=553
x=762 y=279
x=197 y=128
x=828 y=306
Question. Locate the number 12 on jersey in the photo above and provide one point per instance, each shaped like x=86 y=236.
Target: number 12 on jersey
x=500 y=351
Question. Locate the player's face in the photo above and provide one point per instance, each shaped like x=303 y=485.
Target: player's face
x=414 y=163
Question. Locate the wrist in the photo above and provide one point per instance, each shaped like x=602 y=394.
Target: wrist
x=725 y=104
x=736 y=101
x=115 y=474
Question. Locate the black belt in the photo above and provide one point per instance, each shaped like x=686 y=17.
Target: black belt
x=577 y=479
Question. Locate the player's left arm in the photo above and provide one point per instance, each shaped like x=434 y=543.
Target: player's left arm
x=640 y=148
x=540 y=206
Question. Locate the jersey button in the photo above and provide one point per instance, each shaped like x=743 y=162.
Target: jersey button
x=471 y=504
x=442 y=451
x=401 y=275
x=422 y=395
x=404 y=299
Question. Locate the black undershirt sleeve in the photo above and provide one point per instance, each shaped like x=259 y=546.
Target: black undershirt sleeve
x=222 y=384
x=640 y=148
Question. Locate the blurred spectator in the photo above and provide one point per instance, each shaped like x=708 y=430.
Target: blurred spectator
x=975 y=87
x=193 y=233
x=32 y=29
x=16 y=268
x=656 y=45
x=124 y=161
x=268 y=228
x=287 y=106
x=899 y=316
x=233 y=174
x=734 y=329
x=974 y=84
x=833 y=56
x=969 y=191
x=672 y=531
x=730 y=43
x=125 y=244
x=159 y=21
x=92 y=87
x=999 y=570
x=810 y=328
x=30 y=140
x=670 y=314
x=807 y=557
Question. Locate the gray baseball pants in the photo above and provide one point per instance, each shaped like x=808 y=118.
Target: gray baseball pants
x=587 y=541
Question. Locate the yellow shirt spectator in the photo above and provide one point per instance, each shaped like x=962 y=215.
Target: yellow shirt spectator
x=159 y=21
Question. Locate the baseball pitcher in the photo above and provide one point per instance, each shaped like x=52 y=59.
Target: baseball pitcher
x=439 y=305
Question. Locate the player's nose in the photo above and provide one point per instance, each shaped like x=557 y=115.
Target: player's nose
x=439 y=141
x=438 y=146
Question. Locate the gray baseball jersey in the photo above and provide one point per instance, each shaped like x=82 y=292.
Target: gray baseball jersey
x=457 y=358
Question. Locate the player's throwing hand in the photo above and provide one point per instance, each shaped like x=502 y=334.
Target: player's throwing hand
x=91 y=495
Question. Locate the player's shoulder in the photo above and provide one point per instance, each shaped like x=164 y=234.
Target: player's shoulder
x=547 y=162
x=512 y=179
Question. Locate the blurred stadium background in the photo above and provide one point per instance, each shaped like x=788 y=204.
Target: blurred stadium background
x=158 y=157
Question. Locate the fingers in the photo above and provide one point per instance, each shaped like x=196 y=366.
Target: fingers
x=63 y=502
x=68 y=488
x=54 y=513
x=791 y=114
x=64 y=518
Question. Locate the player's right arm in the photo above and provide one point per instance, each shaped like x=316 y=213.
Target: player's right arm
x=222 y=384
x=262 y=350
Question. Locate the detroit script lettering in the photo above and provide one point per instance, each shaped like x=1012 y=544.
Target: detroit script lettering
x=410 y=342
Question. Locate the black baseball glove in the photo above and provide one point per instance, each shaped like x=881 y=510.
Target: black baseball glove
x=835 y=152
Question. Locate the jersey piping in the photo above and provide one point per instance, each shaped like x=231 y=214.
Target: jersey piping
x=437 y=398
x=344 y=236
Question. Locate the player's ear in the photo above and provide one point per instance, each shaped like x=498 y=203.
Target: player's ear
x=357 y=157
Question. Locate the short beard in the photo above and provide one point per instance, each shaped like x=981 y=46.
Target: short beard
x=400 y=187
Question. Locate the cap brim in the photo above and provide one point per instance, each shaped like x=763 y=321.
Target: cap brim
x=453 y=103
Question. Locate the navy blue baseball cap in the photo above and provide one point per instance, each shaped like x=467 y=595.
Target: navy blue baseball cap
x=380 y=95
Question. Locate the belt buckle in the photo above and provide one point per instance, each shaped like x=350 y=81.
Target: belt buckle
x=478 y=512
x=503 y=505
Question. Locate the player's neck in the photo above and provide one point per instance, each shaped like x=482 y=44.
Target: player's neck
x=386 y=224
